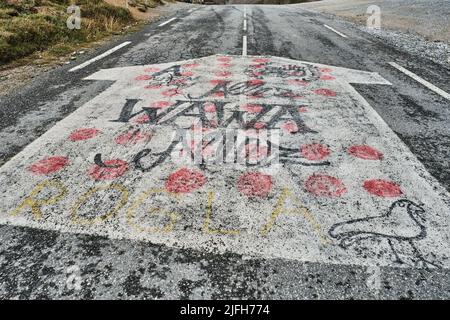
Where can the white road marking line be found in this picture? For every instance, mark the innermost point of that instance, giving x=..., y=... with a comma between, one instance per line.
x=166, y=22
x=244, y=38
x=85, y=64
x=334, y=30
x=427, y=84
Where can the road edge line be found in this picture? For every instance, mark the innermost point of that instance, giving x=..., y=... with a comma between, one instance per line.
x=335, y=31
x=422, y=81
x=101, y=56
x=166, y=22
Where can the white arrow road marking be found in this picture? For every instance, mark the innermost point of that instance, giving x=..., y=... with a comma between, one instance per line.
x=166, y=22
x=335, y=31
x=346, y=189
x=422, y=81
x=105, y=54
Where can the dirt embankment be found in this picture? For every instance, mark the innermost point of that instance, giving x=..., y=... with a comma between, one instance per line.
x=34, y=36
x=40, y=26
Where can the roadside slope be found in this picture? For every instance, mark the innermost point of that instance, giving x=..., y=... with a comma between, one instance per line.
x=430, y=19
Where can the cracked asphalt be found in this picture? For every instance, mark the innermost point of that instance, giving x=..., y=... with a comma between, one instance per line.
x=34, y=262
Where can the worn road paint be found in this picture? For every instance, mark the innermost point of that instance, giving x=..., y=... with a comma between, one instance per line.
x=335, y=31
x=105, y=54
x=346, y=190
x=244, y=46
x=427, y=84
x=166, y=22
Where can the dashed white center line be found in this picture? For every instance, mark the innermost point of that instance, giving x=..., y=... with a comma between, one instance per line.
x=85, y=64
x=427, y=84
x=244, y=37
x=335, y=31
x=166, y=22
x=244, y=46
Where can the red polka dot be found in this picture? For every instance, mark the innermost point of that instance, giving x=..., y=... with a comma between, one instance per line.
x=325, y=185
x=255, y=184
x=297, y=74
x=215, y=82
x=190, y=65
x=223, y=74
x=259, y=66
x=83, y=134
x=112, y=170
x=48, y=165
x=365, y=152
x=252, y=108
x=160, y=104
x=144, y=118
x=326, y=70
x=225, y=65
x=132, y=137
x=382, y=188
x=153, y=86
x=187, y=74
x=289, y=127
x=210, y=107
x=327, y=77
x=259, y=125
x=172, y=92
x=325, y=92
x=185, y=180
x=255, y=82
x=143, y=77
x=302, y=109
x=261, y=60
x=179, y=81
x=219, y=94
x=315, y=151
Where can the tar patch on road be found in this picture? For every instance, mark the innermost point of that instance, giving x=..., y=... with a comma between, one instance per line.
x=317, y=177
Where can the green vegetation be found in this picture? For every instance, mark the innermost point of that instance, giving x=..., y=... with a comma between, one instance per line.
x=28, y=26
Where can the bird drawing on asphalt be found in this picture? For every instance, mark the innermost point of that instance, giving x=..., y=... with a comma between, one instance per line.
x=400, y=226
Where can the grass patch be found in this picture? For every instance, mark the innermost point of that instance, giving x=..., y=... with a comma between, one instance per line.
x=29, y=26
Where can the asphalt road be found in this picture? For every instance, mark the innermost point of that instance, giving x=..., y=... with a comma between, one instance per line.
x=37, y=258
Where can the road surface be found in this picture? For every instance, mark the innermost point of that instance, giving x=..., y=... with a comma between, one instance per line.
x=101, y=198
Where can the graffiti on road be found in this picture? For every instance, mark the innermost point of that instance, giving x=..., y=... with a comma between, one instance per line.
x=261, y=156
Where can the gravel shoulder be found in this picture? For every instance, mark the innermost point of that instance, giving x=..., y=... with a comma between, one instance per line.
x=416, y=26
